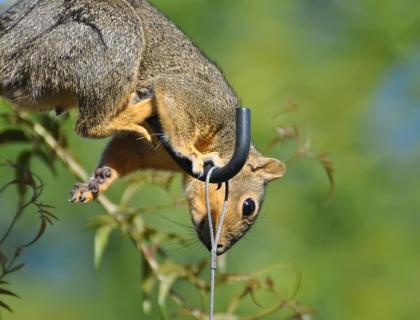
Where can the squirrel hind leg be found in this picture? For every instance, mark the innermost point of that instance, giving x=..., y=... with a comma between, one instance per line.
x=126, y=121
x=99, y=183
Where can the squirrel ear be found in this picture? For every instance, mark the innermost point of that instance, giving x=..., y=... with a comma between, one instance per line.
x=269, y=169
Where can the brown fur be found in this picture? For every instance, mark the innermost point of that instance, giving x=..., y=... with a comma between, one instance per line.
x=119, y=62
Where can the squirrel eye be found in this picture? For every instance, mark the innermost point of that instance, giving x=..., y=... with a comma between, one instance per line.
x=248, y=208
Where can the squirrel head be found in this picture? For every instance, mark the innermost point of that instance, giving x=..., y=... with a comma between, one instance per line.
x=246, y=195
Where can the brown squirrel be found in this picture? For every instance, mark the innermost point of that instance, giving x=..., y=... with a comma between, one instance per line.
x=120, y=62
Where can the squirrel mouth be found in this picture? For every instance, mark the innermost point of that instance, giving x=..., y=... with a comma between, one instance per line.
x=203, y=233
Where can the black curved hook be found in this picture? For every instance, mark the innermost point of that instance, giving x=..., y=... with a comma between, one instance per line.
x=239, y=157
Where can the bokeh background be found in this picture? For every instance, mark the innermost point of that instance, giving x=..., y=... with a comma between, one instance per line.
x=353, y=69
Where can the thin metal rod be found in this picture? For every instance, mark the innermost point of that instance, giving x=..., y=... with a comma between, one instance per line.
x=214, y=237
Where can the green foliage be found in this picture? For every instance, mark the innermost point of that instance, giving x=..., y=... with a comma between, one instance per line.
x=347, y=65
x=101, y=242
x=9, y=263
x=161, y=273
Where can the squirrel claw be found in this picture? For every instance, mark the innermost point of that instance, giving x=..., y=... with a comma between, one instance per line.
x=86, y=192
x=81, y=193
x=144, y=133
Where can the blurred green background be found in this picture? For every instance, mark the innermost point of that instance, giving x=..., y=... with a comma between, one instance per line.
x=353, y=68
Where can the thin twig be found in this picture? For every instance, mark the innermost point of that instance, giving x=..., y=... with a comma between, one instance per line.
x=70, y=162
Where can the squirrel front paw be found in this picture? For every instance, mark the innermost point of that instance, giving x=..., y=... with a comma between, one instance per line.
x=86, y=192
x=199, y=160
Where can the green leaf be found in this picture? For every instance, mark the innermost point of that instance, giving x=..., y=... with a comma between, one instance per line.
x=147, y=306
x=101, y=243
x=47, y=159
x=169, y=272
x=39, y=234
x=13, y=136
x=8, y=293
x=16, y=268
x=3, y=259
x=100, y=220
x=166, y=283
x=49, y=123
x=5, y=306
x=148, y=284
x=23, y=174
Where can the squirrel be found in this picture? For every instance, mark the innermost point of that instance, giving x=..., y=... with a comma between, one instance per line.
x=120, y=62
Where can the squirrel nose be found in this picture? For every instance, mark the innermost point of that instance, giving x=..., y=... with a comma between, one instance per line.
x=220, y=249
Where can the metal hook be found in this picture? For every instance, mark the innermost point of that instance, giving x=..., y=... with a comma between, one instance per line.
x=236, y=163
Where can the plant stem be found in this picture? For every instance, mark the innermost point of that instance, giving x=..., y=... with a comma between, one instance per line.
x=70, y=162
